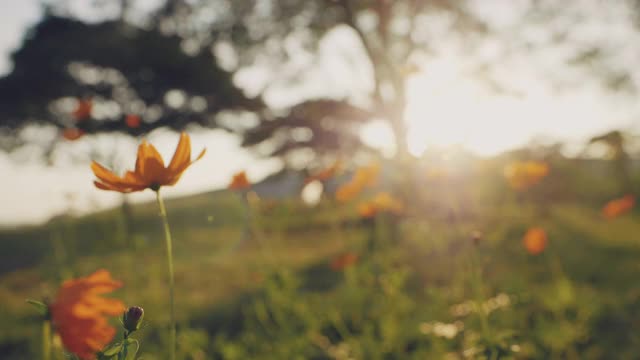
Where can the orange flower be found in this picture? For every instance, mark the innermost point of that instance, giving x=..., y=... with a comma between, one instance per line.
x=617, y=207
x=325, y=174
x=522, y=175
x=384, y=201
x=150, y=171
x=535, y=240
x=239, y=181
x=79, y=313
x=132, y=121
x=381, y=202
x=365, y=176
x=343, y=261
x=347, y=192
x=72, y=134
x=83, y=109
x=367, y=210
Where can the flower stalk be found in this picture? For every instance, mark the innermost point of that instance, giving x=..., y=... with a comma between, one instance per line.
x=46, y=340
x=167, y=235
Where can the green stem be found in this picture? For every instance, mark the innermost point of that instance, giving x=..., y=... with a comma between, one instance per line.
x=478, y=289
x=123, y=354
x=246, y=236
x=59, y=254
x=46, y=340
x=167, y=234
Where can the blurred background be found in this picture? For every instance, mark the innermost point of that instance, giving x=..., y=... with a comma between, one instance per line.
x=441, y=95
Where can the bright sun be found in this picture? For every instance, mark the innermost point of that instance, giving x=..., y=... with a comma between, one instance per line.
x=446, y=108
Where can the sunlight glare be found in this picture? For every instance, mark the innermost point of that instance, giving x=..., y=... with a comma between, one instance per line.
x=443, y=110
x=378, y=134
x=447, y=108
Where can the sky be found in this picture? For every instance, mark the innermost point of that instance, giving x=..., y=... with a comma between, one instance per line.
x=445, y=107
x=33, y=192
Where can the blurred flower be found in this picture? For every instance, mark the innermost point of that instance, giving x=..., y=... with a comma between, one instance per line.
x=79, y=313
x=132, y=121
x=132, y=318
x=347, y=192
x=441, y=329
x=150, y=171
x=381, y=202
x=500, y=301
x=239, y=181
x=384, y=201
x=325, y=174
x=522, y=175
x=83, y=109
x=535, y=240
x=365, y=176
x=617, y=207
x=72, y=134
x=343, y=261
x=367, y=210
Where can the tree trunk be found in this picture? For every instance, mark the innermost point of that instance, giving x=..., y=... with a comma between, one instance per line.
x=399, y=127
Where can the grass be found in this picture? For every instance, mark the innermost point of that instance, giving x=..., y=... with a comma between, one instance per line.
x=414, y=296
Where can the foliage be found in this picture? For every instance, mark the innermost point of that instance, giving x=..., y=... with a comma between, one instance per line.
x=432, y=292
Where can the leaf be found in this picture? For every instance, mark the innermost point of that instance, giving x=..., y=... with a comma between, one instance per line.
x=132, y=348
x=41, y=307
x=105, y=357
x=112, y=351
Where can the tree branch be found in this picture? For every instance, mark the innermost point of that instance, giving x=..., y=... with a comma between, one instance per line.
x=351, y=22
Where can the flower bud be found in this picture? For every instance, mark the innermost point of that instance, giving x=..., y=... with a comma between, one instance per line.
x=132, y=318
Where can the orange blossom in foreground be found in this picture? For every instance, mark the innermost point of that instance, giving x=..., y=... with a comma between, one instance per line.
x=150, y=171
x=79, y=313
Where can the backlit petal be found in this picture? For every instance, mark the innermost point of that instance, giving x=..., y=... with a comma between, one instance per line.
x=182, y=156
x=103, y=173
x=200, y=155
x=149, y=165
x=174, y=176
x=119, y=188
x=109, y=181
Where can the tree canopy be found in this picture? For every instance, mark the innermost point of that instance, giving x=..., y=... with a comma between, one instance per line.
x=178, y=65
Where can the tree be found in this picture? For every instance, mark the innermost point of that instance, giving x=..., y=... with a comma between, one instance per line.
x=122, y=69
x=168, y=75
x=181, y=63
x=615, y=142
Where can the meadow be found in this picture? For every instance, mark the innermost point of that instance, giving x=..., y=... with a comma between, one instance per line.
x=447, y=277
